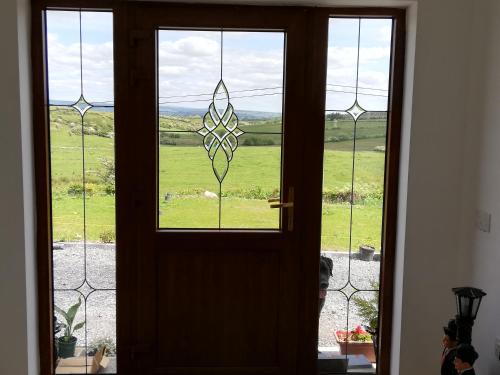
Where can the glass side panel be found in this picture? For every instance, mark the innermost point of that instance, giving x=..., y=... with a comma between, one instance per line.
x=81, y=114
x=353, y=190
x=374, y=64
x=220, y=99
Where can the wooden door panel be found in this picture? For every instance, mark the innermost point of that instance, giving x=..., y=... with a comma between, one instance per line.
x=218, y=308
x=219, y=371
x=216, y=301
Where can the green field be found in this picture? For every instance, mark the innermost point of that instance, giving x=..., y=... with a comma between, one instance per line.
x=185, y=173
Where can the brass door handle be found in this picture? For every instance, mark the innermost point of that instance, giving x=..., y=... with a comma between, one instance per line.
x=275, y=203
x=271, y=200
x=279, y=205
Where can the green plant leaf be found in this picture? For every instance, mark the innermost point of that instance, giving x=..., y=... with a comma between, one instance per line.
x=72, y=311
x=62, y=312
x=78, y=326
x=368, y=308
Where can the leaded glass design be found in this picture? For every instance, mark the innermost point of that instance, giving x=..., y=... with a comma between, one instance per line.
x=82, y=106
x=355, y=111
x=219, y=128
x=81, y=109
x=220, y=131
x=353, y=184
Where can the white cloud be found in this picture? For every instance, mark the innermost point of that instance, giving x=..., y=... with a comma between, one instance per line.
x=183, y=72
x=373, y=74
x=190, y=65
x=64, y=70
x=172, y=70
x=384, y=34
x=197, y=46
x=339, y=57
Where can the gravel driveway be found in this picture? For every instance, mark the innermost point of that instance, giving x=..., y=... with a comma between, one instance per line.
x=100, y=306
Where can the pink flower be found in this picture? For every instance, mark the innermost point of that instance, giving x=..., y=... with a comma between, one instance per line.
x=360, y=331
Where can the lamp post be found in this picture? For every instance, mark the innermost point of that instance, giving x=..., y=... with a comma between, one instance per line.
x=468, y=301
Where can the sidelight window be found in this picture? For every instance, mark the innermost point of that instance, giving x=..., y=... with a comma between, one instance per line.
x=81, y=131
x=356, y=118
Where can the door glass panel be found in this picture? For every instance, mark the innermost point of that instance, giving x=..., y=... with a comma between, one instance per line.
x=220, y=99
x=359, y=52
x=82, y=171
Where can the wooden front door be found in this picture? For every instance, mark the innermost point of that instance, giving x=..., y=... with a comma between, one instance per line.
x=208, y=270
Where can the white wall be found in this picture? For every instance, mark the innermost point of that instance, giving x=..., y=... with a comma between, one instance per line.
x=431, y=246
x=434, y=171
x=482, y=181
x=18, y=332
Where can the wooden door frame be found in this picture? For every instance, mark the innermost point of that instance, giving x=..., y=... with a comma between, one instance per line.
x=153, y=16
x=311, y=237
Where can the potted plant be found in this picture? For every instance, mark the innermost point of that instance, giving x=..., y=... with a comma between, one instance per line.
x=67, y=342
x=368, y=310
x=356, y=341
x=366, y=252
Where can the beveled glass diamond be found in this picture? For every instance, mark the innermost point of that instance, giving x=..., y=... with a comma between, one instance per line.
x=82, y=105
x=85, y=289
x=356, y=110
x=348, y=290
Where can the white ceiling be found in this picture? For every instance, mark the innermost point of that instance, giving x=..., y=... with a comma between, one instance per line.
x=393, y=3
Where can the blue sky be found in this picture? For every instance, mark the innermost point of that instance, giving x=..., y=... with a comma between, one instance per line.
x=189, y=63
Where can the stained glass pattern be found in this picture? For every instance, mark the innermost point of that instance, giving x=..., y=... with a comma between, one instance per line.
x=219, y=128
x=354, y=166
x=79, y=59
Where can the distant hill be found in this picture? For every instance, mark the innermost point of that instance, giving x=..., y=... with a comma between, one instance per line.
x=182, y=111
x=242, y=114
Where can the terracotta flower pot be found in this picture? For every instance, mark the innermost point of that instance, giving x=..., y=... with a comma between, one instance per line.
x=355, y=347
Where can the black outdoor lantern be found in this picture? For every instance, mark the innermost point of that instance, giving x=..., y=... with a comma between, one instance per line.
x=468, y=301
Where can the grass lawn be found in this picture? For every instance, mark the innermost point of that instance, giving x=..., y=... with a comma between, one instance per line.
x=255, y=213
x=67, y=217
x=185, y=172
x=236, y=213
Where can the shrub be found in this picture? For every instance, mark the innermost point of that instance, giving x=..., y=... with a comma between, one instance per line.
x=109, y=189
x=77, y=189
x=192, y=192
x=255, y=141
x=362, y=193
x=368, y=307
x=338, y=196
x=256, y=192
x=99, y=343
x=166, y=139
x=336, y=116
x=89, y=130
x=339, y=138
x=107, y=236
x=107, y=172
